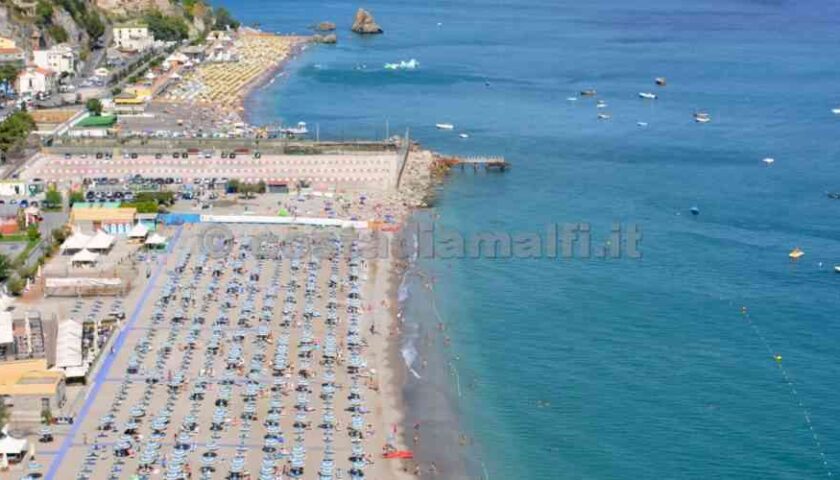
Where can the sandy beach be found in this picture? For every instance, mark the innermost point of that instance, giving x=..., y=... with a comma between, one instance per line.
x=220, y=87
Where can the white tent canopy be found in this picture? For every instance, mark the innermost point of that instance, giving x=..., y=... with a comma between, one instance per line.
x=68, y=349
x=101, y=241
x=85, y=256
x=12, y=446
x=139, y=231
x=7, y=334
x=156, y=240
x=77, y=241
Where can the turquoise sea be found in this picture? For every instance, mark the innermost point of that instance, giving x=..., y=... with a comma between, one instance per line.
x=619, y=368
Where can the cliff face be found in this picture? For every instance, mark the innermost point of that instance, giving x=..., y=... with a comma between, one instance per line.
x=128, y=7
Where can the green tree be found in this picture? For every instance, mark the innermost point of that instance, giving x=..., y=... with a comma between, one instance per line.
x=76, y=197
x=32, y=233
x=4, y=269
x=15, y=129
x=58, y=33
x=166, y=28
x=53, y=198
x=224, y=19
x=16, y=284
x=43, y=13
x=9, y=72
x=94, y=106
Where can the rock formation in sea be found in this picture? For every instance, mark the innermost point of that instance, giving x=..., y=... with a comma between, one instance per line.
x=325, y=27
x=365, y=24
x=330, y=38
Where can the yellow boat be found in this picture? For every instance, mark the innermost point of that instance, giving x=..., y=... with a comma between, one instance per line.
x=796, y=253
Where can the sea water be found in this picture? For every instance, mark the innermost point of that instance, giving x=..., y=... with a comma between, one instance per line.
x=620, y=367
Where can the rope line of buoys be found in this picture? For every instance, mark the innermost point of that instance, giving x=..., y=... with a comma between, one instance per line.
x=778, y=359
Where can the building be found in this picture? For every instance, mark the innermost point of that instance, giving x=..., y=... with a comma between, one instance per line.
x=109, y=217
x=9, y=51
x=133, y=37
x=26, y=7
x=31, y=388
x=35, y=81
x=60, y=59
x=9, y=219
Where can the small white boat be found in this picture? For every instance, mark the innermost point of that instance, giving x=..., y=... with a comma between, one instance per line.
x=601, y=104
x=603, y=116
x=571, y=99
x=769, y=161
x=300, y=129
x=464, y=135
x=835, y=111
x=647, y=95
x=642, y=124
x=444, y=126
x=702, y=117
x=837, y=268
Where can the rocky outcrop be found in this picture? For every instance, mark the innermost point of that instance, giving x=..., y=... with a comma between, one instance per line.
x=325, y=27
x=328, y=39
x=365, y=23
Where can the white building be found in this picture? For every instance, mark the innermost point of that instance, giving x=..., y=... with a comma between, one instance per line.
x=133, y=37
x=35, y=81
x=60, y=59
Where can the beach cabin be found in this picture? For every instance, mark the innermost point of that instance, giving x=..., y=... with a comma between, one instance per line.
x=109, y=217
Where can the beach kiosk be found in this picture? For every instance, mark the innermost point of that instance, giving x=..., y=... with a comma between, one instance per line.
x=156, y=242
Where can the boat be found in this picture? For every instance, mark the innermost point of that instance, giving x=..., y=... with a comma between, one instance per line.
x=833, y=195
x=769, y=161
x=444, y=126
x=837, y=269
x=702, y=117
x=835, y=111
x=642, y=124
x=603, y=116
x=591, y=92
x=661, y=81
x=647, y=95
x=796, y=254
x=695, y=211
x=601, y=104
x=464, y=135
x=299, y=129
x=571, y=99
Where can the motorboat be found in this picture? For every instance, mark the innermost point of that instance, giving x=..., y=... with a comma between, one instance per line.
x=769, y=160
x=603, y=116
x=837, y=269
x=591, y=92
x=571, y=99
x=464, y=135
x=299, y=129
x=702, y=117
x=647, y=95
x=444, y=126
x=601, y=104
x=835, y=111
x=661, y=81
x=833, y=195
x=796, y=254
x=642, y=124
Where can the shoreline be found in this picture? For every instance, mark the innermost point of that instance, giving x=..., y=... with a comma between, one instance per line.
x=297, y=48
